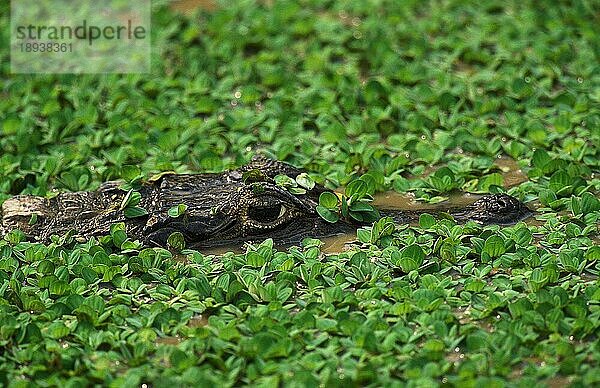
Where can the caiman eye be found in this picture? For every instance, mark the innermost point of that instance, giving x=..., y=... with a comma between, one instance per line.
x=266, y=214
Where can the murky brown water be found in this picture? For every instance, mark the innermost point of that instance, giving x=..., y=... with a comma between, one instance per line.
x=511, y=172
x=189, y=6
x=407, y=201
x=169, y=340
x=337, y=244
x=197, y=321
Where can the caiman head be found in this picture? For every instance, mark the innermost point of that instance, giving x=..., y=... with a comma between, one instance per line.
x=239, y=205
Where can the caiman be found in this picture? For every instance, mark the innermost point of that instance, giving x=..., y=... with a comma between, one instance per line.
x=222, y=209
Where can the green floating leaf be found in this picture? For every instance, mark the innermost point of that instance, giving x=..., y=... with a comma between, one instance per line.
x=177, y=211
x=364, y=235
x=11, y=126
x=357, y=188
x=305, y=181
x=254, y=259
x=410, y=258
x=537, y=279
x=361, y=207
x=135, y=211
x=426, y=221
x=130, y=173
x=59, y=288
x=487, y=181
x=540, y=158
x=284, y=181
x=176, y=240
x=345, y=210
x=384, y=227
x=593, y=253
x=57, y=330
x=297, y=190
x=560, y=182
x=522, y=237
x=33, y=220
x=589, y=203
x=327, y=214
x=363, y=212
x=15, y=236
x=46, y=267
x=132, y=198
x=576, y=207
x=494, y=246
x=328, y=200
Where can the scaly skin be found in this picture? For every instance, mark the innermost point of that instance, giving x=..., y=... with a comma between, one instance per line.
x=222, y=209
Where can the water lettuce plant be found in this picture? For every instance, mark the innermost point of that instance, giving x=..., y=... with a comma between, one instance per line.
x=423, y=98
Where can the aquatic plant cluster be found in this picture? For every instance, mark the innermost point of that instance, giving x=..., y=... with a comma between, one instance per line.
x=419, y=97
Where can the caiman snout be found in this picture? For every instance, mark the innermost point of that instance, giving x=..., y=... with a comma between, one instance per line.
x=499, y=209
